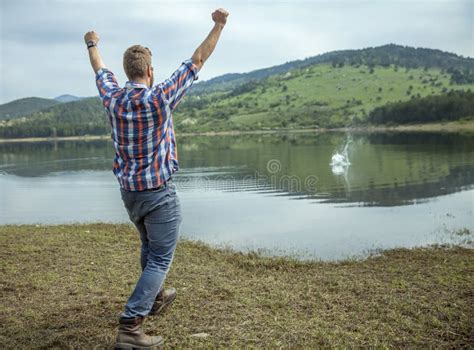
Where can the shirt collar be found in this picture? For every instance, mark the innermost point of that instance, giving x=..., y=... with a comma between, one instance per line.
x=134, y=85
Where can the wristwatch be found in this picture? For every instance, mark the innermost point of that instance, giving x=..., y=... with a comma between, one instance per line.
x=91, y=43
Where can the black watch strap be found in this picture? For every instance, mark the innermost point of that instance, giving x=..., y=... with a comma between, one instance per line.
x=91, y=43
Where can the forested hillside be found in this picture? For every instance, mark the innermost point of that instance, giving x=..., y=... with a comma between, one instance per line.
x=84, y=117
x=24, y=106
x=453, y=105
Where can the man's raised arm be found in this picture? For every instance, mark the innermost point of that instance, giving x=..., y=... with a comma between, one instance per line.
x=105, y=79
x=204, y=50
x=91, y=38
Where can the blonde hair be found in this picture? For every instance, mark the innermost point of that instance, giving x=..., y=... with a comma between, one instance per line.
x=136, y=60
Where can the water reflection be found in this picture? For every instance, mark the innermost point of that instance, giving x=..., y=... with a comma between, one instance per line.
x=386, y=169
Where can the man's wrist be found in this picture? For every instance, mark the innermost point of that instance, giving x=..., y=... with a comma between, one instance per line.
x=219, y=25
x=91, y=43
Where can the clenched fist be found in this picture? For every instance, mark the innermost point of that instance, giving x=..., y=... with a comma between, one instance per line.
x=91, y=36
x=220, y=16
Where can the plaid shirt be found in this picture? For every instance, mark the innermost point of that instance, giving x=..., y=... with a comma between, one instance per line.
x=142, y=126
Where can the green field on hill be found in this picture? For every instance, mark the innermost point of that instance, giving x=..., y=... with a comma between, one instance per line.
x=317, y=96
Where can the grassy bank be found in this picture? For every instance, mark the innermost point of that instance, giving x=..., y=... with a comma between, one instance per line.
x=64, y=286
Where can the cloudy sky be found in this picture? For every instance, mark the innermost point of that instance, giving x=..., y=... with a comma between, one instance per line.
x=43, y=54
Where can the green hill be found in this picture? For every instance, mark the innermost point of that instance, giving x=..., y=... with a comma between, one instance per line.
x=396, y=55
x=24, y=107
x=317, y=96
x=332, y=90
x=84, y=117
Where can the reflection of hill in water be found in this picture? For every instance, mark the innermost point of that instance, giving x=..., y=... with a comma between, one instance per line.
x=460, y=178
x=30, y=159
x=422, y=138
x=386, y=169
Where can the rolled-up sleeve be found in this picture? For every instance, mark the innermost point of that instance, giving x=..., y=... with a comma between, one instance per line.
x=106, y=83
x=175, y=87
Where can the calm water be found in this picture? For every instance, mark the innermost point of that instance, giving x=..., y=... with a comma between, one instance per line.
x=275, y=193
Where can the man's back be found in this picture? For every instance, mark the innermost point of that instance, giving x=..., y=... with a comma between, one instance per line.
x=142, y=126
x=146, y=157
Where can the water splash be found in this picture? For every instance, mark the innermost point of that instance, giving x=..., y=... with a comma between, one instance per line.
x=340, y=160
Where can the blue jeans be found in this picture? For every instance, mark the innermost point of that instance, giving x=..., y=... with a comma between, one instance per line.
x=157, y=216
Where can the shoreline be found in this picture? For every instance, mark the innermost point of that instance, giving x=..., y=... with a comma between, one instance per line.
x=418, y=297
x=450, y=127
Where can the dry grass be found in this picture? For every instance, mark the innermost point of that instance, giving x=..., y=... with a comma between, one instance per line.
x=64, y=286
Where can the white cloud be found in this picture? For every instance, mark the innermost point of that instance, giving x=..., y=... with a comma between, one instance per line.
x=42, y=53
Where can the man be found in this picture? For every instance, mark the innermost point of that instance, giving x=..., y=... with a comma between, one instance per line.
x=145, y=159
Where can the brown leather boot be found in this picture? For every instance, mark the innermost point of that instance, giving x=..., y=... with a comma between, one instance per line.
x=130, y=335
x=163, y=300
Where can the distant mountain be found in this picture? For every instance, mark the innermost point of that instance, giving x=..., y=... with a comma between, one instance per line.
x=67, y=98
x=25, y=106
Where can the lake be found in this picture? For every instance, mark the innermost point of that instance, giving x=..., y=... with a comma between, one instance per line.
x=275, y=193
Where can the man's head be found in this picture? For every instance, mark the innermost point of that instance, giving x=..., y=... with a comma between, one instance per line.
x=137, y=64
